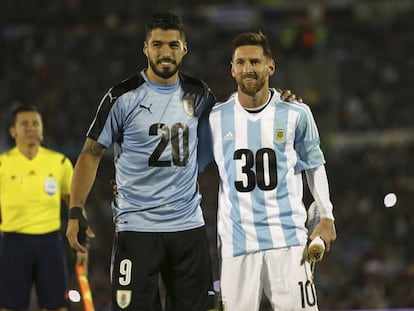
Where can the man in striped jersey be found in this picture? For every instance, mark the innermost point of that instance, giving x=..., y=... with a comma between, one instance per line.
x=262, y=145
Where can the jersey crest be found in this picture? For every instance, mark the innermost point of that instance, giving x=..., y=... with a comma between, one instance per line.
x=280, y=135
x=188, y=105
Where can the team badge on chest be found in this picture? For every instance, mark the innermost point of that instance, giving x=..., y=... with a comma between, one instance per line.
x=188, y=105
x=280, y=135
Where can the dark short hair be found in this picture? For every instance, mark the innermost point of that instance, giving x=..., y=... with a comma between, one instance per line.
x=21, y=108
x=165, y=21
x=253, y=38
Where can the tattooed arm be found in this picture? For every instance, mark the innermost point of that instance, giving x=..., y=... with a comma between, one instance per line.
x=83, y=179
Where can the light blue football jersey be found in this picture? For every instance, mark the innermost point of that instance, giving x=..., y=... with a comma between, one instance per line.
x=154, y=131
x=260, y=157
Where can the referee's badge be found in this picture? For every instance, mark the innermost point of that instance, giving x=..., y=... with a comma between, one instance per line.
x=50, y=185
x=280, y=135
x=123, y=298
x=188, y=105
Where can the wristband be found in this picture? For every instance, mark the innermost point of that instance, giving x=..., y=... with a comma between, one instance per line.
x=76, y=213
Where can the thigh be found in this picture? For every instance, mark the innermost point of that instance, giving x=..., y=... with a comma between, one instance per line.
x=16, y=272
x=241, y=289
x=187, y=271
x=287, y=281
x=51, y=272
x=136, y=264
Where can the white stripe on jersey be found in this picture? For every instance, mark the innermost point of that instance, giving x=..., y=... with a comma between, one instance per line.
x=245, y=203
x=311, y=121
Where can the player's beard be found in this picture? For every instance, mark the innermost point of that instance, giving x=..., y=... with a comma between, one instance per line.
x=165, y=73
x=250, y=88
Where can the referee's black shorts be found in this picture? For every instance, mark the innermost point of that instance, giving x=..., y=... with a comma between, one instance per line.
x=181, y=258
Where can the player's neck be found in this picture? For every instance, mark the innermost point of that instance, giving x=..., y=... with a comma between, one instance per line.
x=255, y=101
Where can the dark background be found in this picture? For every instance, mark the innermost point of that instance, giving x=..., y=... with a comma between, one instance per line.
x=351, y=61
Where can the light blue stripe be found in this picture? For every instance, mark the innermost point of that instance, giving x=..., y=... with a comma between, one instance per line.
x=228, y=126
x=260, y=217
x=285, y=208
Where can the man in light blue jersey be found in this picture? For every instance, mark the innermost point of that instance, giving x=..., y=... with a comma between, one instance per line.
x=152, y=120
x=261, y=145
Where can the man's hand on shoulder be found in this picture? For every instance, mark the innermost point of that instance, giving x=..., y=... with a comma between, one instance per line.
x=288, y=96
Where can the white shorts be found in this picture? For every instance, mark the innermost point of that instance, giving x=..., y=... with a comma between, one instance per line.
x=281, y=274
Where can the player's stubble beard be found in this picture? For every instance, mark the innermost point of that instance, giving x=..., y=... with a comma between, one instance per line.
x=251, y=89
x=165, y=73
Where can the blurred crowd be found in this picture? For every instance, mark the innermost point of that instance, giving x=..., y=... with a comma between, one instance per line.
x=351, y=61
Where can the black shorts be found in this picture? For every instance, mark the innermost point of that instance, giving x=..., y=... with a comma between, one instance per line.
x=181, y=258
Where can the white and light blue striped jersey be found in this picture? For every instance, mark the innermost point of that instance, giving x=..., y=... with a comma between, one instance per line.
x=260, y=157
x=154, y=131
